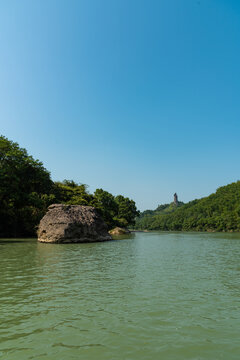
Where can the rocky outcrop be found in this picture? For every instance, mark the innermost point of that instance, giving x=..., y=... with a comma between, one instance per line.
x=119, y=231
x=72, y=224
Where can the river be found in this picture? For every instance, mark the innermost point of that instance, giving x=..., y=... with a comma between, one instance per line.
x=147, y=297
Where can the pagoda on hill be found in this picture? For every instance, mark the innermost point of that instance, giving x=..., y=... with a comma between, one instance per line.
x=175, y=199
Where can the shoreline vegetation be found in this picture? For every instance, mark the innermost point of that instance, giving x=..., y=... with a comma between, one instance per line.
x=27, y=190
x=218, y=212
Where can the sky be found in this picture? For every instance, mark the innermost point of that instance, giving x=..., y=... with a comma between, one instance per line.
x=138, y=97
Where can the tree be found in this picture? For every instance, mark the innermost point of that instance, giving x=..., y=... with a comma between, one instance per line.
x=127, y=211
x=217, y=212
x=70, y=192
x=25, y=190
x=107, y=206
x=116, y=211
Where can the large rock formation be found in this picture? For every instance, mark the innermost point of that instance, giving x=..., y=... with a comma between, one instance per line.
x=119, y=231
x=72, y=224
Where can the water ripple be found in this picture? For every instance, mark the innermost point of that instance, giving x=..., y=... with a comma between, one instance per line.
x=157, y=295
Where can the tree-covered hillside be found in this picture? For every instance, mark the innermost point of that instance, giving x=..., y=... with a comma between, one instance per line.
x=162, y=209
x=26, y=191
x=218, y=212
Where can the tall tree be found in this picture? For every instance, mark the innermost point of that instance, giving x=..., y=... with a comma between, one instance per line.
x=107, y=206
x=127, y=211
x=69, y=192
x=25, y=188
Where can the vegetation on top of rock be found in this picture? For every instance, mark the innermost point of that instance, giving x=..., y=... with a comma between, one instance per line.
x=26, y=191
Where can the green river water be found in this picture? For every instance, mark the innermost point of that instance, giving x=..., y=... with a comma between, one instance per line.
x=151, y=296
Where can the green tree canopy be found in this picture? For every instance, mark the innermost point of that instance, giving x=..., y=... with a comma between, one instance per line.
x=107, y=206
x=69, y=192
x=127, y=211
x=218, y=212
x=25, y=189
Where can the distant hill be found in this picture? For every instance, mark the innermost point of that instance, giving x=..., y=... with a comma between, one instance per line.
x=162, y=209
x=146, y=217
x=218, y=212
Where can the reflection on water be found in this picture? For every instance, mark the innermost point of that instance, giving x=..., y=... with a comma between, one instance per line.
x=148, y=296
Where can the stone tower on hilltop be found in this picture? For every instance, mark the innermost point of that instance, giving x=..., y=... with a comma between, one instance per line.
x=175, y=199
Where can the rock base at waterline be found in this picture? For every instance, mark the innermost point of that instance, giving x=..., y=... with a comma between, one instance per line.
x=119, y=231
x=72, y=224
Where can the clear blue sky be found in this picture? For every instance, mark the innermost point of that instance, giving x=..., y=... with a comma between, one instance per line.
x=139, y=97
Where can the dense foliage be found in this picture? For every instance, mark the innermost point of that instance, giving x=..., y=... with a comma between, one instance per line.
x=26, y=190
x=217, y=212
x=161, y=209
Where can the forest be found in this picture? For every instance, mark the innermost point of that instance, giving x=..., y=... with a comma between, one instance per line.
x=26, y=191
x=218, y=212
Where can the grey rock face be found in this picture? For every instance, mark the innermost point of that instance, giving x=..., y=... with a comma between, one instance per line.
x=72, y=224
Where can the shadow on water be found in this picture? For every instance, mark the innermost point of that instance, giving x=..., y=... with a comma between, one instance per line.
x=16, y=241
x=123, y=237
x=161, y=295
